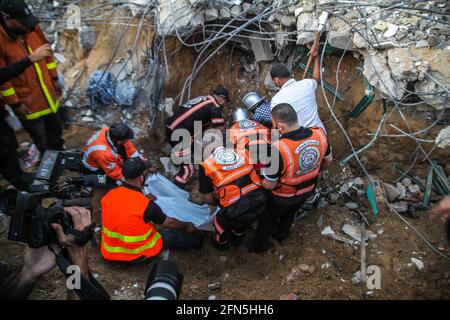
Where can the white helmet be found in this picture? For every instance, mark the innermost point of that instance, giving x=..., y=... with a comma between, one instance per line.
x=251, y=100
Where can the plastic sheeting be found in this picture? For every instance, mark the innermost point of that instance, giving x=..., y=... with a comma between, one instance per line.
x=125, y=91
x=176, y=203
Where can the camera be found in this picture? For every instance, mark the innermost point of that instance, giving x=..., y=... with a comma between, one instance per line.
x=164, y=282
x=30, y=221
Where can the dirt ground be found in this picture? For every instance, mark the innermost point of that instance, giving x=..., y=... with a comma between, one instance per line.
x=245, y=275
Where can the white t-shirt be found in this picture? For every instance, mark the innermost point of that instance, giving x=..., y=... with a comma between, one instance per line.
x=301, y=95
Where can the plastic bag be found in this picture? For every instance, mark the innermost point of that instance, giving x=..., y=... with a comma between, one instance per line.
x=125, y=92
x=100, y=89
x=175, y=202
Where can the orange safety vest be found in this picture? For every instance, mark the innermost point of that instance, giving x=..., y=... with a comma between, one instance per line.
x=301, y=163
x=246, y=133
x=100, y=153
x=34, y=87
x=125, y=235
x=224, y=167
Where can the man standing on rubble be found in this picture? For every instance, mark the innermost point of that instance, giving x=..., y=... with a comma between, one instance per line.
x=204, y=109
x=301, y=95
x=34, y=94
x=302, y=154
x=129, y=218
x=9, y=157
x=106, y=151
x=227, y=180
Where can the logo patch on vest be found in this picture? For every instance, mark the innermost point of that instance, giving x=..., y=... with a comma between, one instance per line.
x=194, y=102
x=228, y=159
x=308, y=156
x=246, y=124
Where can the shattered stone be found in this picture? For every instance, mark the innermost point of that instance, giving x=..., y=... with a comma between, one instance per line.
x=422, y=44
x=214, y=286
x=352, y=205
x=225, y=12
x=178, y=14
x=406, y=182
x=307, y=23
x=358, y=182
x=339, y=35
x=401, y=206
x=236, y=11
x=430, y=86
x=268, y=82
x=401, y=64
x=86, y=37
x=443, y=139
x=322, y=203
x=392, y=192
x=293, y=275
x=261, y=50
x=414, y=189
x=211, y=14
x=168, y=166
x=334, y=196
x=377, y=71
x=401, y=189
x=213, y=297
x=87, y=119
x=288, y=21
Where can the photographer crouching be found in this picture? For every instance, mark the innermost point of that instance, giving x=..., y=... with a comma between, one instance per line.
x=69, y=251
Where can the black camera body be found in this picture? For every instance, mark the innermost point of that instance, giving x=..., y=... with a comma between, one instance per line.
x=164, y=281
x=30, y=222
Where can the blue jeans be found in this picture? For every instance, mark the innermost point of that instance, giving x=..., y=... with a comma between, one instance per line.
x=173, y=239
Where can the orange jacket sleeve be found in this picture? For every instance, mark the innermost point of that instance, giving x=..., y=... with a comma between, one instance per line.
x=110, y=166
x=51, y=61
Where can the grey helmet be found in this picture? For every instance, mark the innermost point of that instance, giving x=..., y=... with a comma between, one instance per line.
x=251, y=100
x=240, y=114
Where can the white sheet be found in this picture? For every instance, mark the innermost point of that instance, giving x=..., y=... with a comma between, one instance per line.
x=176, y=203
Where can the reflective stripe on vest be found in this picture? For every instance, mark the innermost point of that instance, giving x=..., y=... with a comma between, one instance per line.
x=86, y=154
x=51, y=65
x=53, y=105
x=8, y=92
x=190, y=111
x=294, y=182
x=141, y=249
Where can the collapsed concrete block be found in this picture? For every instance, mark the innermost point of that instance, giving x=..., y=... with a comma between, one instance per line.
x=86, y=37
x=443, y=139
x=236, y=11
x=177, y=14
x=211, y=14
x=427, y=85
x=288, y=20
x=225, y=12
x=402, y=65
x=377, y=71
x=339, y=35
x=261, y=50
x=307, y=23
x=268, y=82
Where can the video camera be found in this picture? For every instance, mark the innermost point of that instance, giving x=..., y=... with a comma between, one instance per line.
x=30, y=221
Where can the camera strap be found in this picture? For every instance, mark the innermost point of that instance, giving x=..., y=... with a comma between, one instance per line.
x=90, y=288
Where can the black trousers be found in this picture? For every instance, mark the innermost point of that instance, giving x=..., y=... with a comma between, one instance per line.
x=46, y=132
x=186, y=169
x=231, y=222
x=9, y=157
x=276, y=221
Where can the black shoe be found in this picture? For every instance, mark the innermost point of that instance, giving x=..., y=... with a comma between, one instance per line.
x=220, y=247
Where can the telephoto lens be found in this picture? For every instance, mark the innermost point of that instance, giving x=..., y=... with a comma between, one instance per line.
x=164, y=282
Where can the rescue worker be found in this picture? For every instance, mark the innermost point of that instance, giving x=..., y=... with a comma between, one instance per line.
x=33, y=95
x=225, y=179
x=9, y=157
x=260, y=108
x=302, y=154
x=129, y=218
x=204, y=109
x=106, y=151
x=249, y=138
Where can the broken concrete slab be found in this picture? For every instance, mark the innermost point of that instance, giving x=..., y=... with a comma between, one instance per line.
x=443, y=139
x=307, y=23
x=402, y=65
x=177, y=14
x=339, y=35
x=86, y=37
x=392, y=192
x=261, y=50
x=377, y=71
x=211, y=14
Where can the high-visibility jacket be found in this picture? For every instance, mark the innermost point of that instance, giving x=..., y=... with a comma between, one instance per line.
x=34, y=87
x=231, y=176
x=100, y=153
x=125, y=235
x=301, y=160
x=247, y=133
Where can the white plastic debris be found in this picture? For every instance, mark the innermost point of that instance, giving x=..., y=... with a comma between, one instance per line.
x=176, y=203
x=355, y=232
x=327, y=231
x=418, y=263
